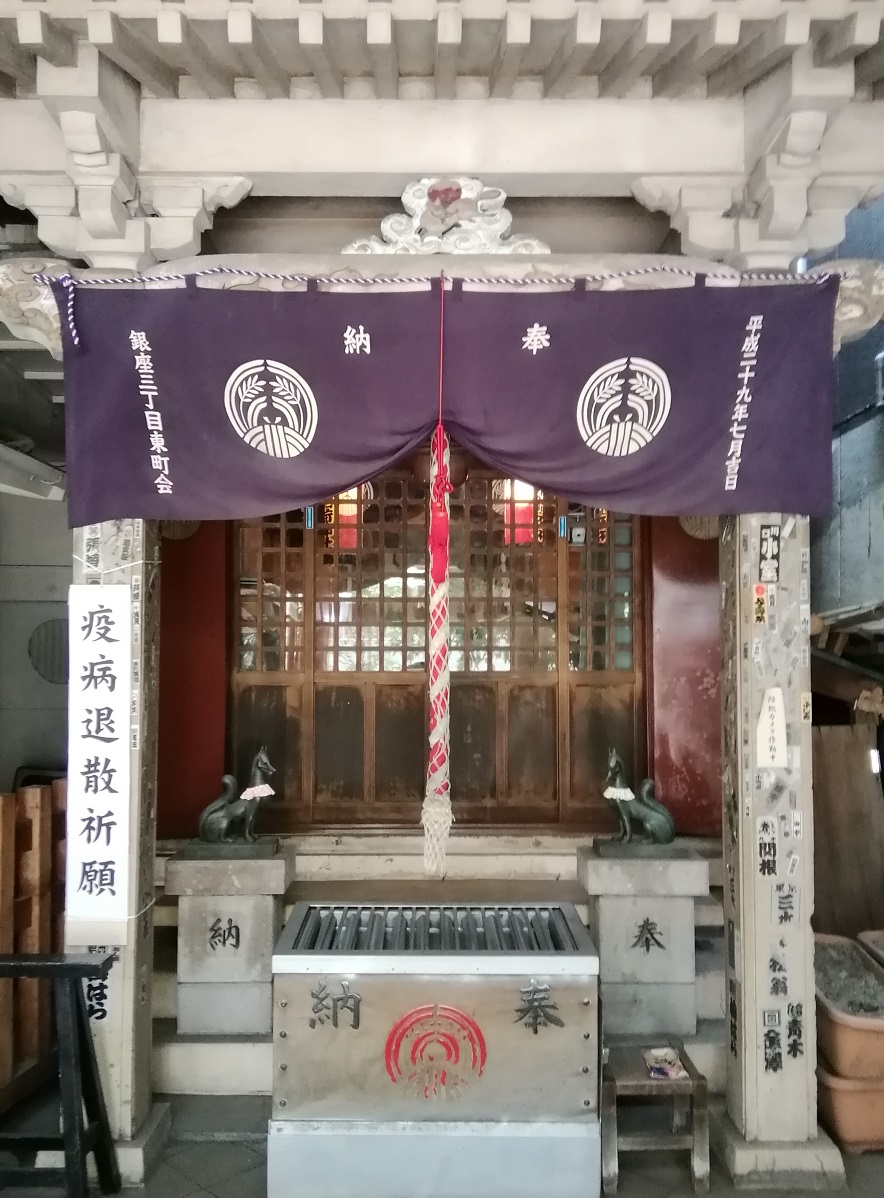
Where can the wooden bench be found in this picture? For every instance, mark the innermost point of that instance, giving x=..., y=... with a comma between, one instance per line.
x=625, y=1075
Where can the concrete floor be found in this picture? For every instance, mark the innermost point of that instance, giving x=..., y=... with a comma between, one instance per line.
x=218, y=1150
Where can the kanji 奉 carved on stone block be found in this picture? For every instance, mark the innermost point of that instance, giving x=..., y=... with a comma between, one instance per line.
x=642, y=809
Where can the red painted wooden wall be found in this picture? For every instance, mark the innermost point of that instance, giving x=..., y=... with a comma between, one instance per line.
x=684, y=716
x=193, y=677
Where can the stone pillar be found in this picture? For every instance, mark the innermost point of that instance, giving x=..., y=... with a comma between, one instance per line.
x=769, y=1133
x=126, y=553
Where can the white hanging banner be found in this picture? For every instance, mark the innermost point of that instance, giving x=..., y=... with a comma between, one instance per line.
x=772, y=744
x=98, y=795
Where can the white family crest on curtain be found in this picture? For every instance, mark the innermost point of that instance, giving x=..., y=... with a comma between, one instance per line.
x=455, y=215
x=100, y=689
x=615, y=421
x=271, y=408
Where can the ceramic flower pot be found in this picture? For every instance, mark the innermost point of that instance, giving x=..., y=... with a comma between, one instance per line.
x=853, y=1045
x=853, y=1111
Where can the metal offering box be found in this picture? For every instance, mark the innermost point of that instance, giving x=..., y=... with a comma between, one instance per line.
x=446, y=1050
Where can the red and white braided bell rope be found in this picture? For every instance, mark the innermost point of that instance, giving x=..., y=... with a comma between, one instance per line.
x=436, y=816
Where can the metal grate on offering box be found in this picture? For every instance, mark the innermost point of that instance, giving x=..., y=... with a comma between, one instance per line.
x=450, y=938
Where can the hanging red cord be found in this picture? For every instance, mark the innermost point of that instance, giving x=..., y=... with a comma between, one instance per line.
x=441, y=483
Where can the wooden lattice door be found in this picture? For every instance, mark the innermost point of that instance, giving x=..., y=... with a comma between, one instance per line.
x=546, y=646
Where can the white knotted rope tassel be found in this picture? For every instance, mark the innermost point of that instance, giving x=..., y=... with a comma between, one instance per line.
x=436, y=816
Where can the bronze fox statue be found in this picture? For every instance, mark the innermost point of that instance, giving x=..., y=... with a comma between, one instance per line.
x=641, y=809
x=219, y=821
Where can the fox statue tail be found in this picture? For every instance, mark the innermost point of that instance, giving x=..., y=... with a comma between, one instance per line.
x=228, y=794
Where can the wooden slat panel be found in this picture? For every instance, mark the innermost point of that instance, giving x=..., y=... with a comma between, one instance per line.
x=34, y=838
x=7, y=943
x=400, y=735
x=339, y=732
x=601, y=717
x=261, y=719
x=59, y=849
x=473, y=741
x=849, y=823
x=531, y=747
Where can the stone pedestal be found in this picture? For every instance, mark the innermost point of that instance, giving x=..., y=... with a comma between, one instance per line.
x=642, y=917
x=229, y=915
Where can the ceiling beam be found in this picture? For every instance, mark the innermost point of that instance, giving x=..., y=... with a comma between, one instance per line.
x=178, y=39
x=649, y=44
x=45, y=38
x=869, y=67
x=449, y=32
x=576, y=49
x=515, y=38
x=849, y=38
x=19, y=66
x=381, y=40
x=779, y=41
x=716, y=40
x=249, y=42
x=473, y=137
x=106, y=32
x=311, y=34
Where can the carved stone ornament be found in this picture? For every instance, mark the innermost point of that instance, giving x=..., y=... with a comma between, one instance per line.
x=860, y=304
x=701, y=528
x=448, y=216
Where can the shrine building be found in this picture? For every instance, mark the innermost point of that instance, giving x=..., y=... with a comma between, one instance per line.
x=230, y=153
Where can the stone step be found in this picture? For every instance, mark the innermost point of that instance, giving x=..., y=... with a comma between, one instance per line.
x=708, y=1050
x=710, y=979
x=709, y=911
x=332, y=858
x=210, y=1065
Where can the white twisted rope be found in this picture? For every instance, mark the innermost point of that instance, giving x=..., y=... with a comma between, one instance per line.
x=70, y=283
x=436, y=815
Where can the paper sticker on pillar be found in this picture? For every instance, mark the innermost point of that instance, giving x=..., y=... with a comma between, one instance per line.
x=92, y=550
x=771, y=748
x=96, y=991
x=778, y=976
x=806, y=707
x=804, y=619
x=773, y=1050
x=775, y=793
x=769, y=554
x=795, y=1030
x=767, y=847
x=435, y=1052
x=759, y=605
x=771, y=1018
x=733, y=1017
x=785, y=903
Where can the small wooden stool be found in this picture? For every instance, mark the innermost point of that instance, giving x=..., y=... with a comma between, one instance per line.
x=626, y=1076
x=79, y=1083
